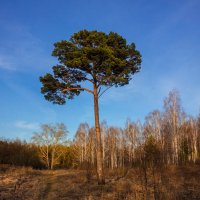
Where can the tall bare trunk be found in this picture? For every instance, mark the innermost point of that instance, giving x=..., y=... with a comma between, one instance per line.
x=52, y=159
x=100, y=173
x=47, y=157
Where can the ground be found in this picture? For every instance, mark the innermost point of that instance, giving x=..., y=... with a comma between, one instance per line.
x=169, y=183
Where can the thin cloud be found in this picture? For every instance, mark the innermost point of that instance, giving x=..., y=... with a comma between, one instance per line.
x=20, y=50
x=26, y=125
x=5, y=63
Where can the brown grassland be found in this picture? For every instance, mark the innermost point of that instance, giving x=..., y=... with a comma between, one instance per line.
x=17, y=183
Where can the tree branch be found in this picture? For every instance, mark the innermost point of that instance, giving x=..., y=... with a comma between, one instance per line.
x=100, y=82
x=99, y=90
x=90, y=80
x=105, y=90
x=67, y=89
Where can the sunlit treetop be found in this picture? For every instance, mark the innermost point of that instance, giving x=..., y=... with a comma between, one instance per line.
x=105, y=60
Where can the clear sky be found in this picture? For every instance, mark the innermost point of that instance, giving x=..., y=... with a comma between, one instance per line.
x=166, y=32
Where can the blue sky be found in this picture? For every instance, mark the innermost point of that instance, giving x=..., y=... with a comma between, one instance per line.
x=166, y=32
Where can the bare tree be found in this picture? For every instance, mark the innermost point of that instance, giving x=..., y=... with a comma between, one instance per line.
x=49, y=141
x=81, y=139
x=131, y=134
x=173, y=113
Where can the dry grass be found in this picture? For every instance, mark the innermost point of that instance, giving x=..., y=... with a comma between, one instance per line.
x=20, y=183
x=169, y=183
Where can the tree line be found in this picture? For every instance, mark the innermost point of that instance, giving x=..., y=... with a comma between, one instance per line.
x=166, y=137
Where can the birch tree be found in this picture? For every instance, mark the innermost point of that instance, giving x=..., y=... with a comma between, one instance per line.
x=49, y=141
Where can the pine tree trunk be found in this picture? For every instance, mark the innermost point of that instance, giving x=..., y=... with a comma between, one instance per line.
x=99, y=153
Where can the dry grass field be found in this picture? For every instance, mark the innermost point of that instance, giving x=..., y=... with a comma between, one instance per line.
x=169, y=183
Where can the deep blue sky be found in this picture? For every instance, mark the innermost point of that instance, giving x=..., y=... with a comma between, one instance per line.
x=166, y=32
